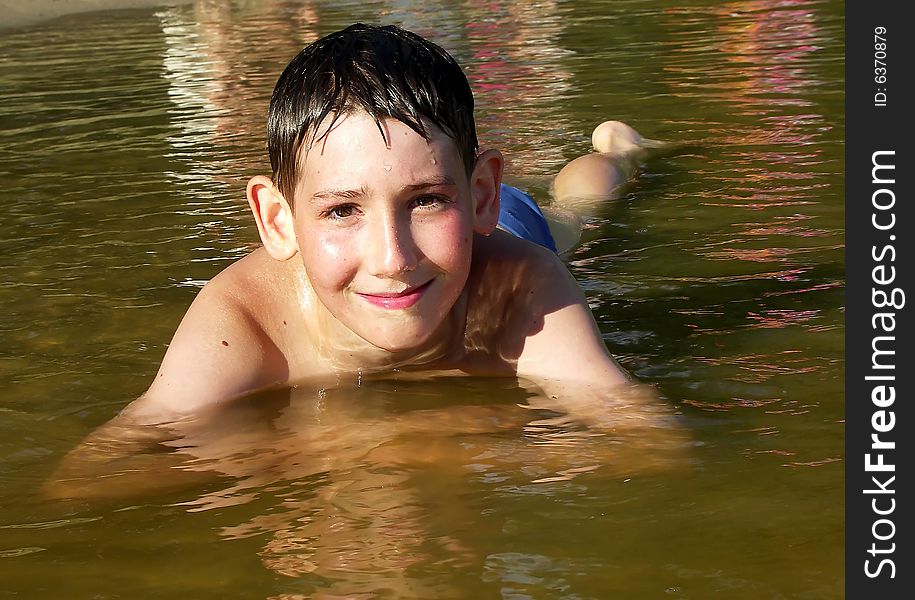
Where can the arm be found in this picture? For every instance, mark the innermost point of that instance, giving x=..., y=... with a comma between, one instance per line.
x=217, y=354
x=563, y=342
x=565, y=356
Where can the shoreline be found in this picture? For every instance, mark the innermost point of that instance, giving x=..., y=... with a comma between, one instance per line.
x=22, y=13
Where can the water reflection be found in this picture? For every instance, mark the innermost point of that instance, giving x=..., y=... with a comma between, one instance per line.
x=759, y=53
x=761, y=273
x=219, y=86
x=518, y=70
x=353, y=483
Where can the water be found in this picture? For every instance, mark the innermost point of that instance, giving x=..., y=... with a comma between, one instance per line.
x=126, y=138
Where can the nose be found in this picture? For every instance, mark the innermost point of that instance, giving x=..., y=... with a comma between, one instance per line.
x=391, y=249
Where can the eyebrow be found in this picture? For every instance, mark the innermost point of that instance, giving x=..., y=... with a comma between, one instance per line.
x=342, y=194
x=442, y=181
x=338, y=194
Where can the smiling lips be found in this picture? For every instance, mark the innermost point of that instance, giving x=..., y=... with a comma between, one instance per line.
x=397, y=301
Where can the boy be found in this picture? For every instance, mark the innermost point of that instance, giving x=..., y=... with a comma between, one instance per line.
x=381, y=251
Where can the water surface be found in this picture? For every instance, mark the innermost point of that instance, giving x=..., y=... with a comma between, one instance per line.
x=126, y=138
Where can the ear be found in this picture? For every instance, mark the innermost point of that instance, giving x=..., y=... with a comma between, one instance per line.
x=484, y=189
x=273, y=216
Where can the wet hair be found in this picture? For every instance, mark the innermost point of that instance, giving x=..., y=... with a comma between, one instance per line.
x=387, y=72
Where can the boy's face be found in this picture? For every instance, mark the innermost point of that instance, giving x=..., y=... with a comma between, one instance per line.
x=384, y=232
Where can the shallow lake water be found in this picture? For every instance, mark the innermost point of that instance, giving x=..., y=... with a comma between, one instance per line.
x=126, y=139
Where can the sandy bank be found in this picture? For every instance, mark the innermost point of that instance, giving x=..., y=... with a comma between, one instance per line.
x=17, y=13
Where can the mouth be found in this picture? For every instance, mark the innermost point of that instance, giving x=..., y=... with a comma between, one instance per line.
x=397, y=300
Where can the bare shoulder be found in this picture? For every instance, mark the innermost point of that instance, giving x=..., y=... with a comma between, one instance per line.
x=224, y=346
x=529, y=278
x=546, y=325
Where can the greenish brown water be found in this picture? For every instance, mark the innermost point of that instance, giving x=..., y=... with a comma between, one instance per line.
x=126, y=139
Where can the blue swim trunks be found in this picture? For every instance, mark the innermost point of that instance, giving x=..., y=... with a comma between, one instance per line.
x=520, y=216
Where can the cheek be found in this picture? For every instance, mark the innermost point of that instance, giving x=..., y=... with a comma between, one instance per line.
x=327, y=258
x=447, y=244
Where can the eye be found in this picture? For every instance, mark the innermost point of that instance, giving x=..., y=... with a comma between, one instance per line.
x=430, y=201
x=340, y=212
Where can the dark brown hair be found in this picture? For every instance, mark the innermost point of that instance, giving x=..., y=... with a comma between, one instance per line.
x=387, y=72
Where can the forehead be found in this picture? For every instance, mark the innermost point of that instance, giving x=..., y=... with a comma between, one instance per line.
x=355, y=149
